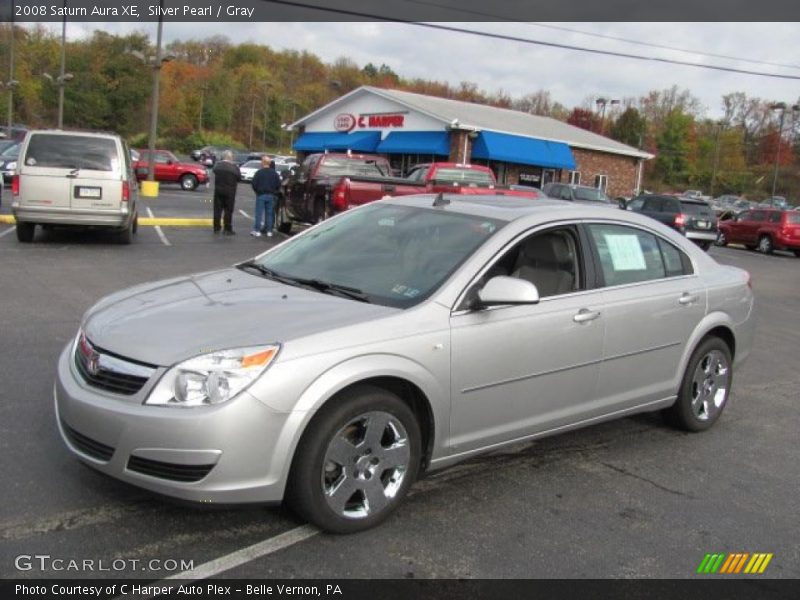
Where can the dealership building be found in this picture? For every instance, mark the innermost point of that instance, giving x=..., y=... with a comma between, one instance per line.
x=519, y=147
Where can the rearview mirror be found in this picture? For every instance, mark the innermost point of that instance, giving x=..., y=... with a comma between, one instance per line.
x=508, y=290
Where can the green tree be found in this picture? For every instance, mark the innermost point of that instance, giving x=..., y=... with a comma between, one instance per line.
x=673, y=144
x=629, y=128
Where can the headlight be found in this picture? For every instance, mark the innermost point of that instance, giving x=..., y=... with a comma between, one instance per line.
x=11, y=166
x=212, y=378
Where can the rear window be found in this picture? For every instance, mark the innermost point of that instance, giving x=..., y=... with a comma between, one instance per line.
x=696, y=208
x=793, y=218
x=365, y=167
x=72, y=152
x=464, y=176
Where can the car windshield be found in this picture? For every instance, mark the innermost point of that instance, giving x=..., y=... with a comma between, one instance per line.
x=366, y=167
x=252, y=164
x=11, y=151
x=72, y=152
x=591, y=194
x=464, y=176
x=389, y=254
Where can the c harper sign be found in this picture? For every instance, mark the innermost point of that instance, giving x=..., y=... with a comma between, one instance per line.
x=346, y=122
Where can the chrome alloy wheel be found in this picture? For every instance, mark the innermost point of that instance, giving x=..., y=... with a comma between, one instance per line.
x=365, y=464
x=710, y=385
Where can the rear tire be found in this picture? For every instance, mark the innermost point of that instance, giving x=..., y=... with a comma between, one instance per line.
x=356, y=461
x=765, y=245
x=25, y=232
x=797, y=253
x=282, y=222
x=704, y=245
x=126, y=235
x=188, y=182
x=705, y=387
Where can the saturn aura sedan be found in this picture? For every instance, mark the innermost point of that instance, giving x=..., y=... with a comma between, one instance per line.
x=400, y=337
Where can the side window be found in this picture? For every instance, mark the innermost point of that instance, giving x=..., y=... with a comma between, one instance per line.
x=627, y=255
x=652, y=204
x=758, y=215
x=745, y=216
x=775, y=217
x=671, y=205
x=566, y=192
x=550, y=260
x=676, y=263
x=635, y=204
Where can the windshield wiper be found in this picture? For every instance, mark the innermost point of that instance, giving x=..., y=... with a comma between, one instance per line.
x=316, y=284
x=269, y=273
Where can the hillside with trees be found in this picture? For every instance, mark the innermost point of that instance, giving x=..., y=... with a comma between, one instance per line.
x=215, y=91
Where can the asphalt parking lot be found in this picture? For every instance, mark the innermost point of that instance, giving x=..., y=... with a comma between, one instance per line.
x=631, y=498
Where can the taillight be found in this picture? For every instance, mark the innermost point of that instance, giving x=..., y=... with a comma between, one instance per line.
x=680, y=219
x=15, y=185
x=126, y=191
x=339, y=196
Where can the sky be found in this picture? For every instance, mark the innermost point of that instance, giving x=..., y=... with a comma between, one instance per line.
x=571, y=77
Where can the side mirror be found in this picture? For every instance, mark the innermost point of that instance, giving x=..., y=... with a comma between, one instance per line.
x=508, y=290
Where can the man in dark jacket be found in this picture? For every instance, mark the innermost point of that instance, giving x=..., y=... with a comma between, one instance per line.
x=266, y=185
x=226, y=178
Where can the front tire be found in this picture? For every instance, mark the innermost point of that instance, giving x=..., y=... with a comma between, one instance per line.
x=722, y=239
x=765, y=245
x=705, y=387
x=704, y=245
x=188, y=182
x=25, y=232
x=356, y=461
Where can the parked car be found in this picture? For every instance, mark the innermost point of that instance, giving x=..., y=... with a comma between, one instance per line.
x=577, y=193
x=8, y=161
x=764, y=229
x=169, y=169
x=400, y=337
x=778, y=202
x=16, y=133
x=249, y=169
x=692, y=218
x=326, y=184
x=67, y=178
x=534, y=191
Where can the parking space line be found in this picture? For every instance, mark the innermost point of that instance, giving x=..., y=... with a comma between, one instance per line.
x=7, y=231
x=248, y=554
x=158, y=229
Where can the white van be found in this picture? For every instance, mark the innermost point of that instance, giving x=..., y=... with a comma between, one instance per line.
x=74, y=178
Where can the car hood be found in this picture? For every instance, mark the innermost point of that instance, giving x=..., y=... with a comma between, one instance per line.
x=170, y=321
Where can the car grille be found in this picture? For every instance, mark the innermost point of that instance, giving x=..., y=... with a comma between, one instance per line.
x=106, y=371
x=165, y=470
x=87, y=445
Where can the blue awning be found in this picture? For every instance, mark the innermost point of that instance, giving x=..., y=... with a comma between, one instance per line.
x=524, y=150
x=416, y=142
x=360, y=141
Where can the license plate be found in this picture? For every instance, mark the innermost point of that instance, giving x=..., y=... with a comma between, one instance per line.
x=702, y=224
x=88, y=192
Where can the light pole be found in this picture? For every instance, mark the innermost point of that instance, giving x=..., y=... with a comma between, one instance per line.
x=60, y=81
x=155, y=63
x=11, y=83
x=781, y=106
x=716, y=158
x=601, y=105
x=267, y=85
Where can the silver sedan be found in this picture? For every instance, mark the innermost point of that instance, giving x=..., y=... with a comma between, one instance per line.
x=402, y=336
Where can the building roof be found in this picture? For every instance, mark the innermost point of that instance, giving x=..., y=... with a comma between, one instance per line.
x=482, y=117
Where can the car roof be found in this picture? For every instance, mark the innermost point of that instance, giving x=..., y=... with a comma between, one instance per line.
x=511, y=208
x=65, y=132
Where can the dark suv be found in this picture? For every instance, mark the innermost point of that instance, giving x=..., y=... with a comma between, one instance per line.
x=577, y=193
x=693, y=218
x=765, y=229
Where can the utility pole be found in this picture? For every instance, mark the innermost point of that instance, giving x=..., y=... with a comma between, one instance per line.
x=716, y=160
x=10, y=84
x=151, y=146
x=61, y=73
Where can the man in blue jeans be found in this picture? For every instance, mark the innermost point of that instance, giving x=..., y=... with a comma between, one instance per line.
x=266, y=184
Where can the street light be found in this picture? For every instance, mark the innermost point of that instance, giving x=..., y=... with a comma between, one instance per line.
x=781, y=106
x=601, y=105
x=11, y=83
x=60, y=81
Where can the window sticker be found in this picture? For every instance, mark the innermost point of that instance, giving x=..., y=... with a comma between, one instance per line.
x=406, y=291
x=626, y=252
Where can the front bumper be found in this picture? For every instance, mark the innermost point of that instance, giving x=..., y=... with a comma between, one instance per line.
x=242, y=444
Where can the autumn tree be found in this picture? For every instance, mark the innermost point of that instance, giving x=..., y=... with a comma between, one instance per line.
x=585, y=119
x=629, y=128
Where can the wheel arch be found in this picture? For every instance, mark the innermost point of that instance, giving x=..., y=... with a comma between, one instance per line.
x=715, y=324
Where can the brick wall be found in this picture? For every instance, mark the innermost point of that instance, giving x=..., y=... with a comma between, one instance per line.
x=620, y=170
x=457, y=154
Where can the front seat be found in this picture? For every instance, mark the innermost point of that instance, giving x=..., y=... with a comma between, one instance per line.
x=546, y=261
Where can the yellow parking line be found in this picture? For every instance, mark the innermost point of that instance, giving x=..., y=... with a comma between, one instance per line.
x=7, y=219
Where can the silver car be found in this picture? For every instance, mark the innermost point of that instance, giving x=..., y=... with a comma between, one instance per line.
x=399, y=337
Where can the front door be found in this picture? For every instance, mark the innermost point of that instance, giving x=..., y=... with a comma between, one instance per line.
x=518, y=370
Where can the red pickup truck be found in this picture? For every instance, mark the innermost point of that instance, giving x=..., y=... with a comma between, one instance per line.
x=170, y=170
x=326, y=184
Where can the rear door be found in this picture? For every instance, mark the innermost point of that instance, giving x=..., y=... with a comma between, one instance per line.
x=96, y=184
x=737, y=227
x=44, y=168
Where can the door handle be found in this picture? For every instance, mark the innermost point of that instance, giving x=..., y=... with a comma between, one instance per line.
x=585, y=315
x=686, y=298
